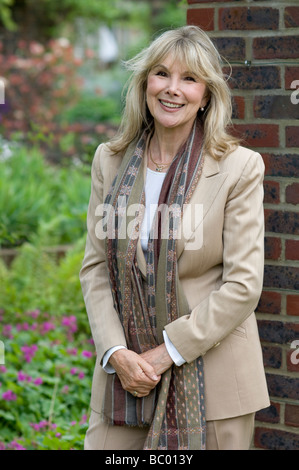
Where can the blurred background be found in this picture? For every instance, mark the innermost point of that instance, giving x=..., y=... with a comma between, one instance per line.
x=61, y=79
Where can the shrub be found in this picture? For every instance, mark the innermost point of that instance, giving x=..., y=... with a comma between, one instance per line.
x=40, y=202
x=46, y=376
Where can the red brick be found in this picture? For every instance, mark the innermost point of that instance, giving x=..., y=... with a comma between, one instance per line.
x=291, y=17
x=291, y=74
x=272, y=248
x=292, y=304
x=291, y=415
x=254, y=78
x=202, y=17
x=270, y=414
x=292, y=193
x=270, y=302
x=281, y=277
x=281, y=386
x=292, y=136
x=281, y=165
x=258, y=135
x=281, y=47
x=238, y=107
x=272, y=356
x=282, y=221
x=271, y=192
x=292, y=249
x=275, y=439
x=275, y=107
x=248, y=18
x=231, y=48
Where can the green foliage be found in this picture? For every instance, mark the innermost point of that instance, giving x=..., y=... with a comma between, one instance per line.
x=41, y=203
x=96, y=109
x=5, y=14
x=49, y=356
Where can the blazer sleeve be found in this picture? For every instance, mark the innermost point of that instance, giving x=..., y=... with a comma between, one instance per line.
x=106, y=328
x=243, y=266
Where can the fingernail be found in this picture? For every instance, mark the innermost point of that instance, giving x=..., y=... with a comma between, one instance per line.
x=155, y=377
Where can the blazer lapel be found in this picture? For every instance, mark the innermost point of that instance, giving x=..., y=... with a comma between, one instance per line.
x=194, y=212
x=201, y=201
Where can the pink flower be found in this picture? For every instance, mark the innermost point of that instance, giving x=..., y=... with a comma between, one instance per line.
x=86, y=353
x=34, y=313
x=16, y=446
x=7, y=331
x=22, y=377
x=9, y=396
x=47, y=326
x=81, y=375
x=3, y=369
x=38, y=381
x=70, y=322
x=29, y=352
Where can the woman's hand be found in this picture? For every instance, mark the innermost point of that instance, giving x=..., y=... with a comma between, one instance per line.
x=158, y=358
x=134, y=372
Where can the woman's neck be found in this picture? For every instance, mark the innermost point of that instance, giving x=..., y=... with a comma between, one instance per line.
x=165, y=143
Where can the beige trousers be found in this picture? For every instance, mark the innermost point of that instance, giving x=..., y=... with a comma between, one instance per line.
x=225, y=434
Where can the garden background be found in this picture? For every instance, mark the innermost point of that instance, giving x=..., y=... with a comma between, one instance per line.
x=60, y=92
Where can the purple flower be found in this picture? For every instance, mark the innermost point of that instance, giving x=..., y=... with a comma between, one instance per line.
x=9, y=396
x=38, y=381
x=29, y=352
x=70, y=322
x=16, y=446
x=7, y=331
x=22, y=377
x=86, y=353
x=47, y=326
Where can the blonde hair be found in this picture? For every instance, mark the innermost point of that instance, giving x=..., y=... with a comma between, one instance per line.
x=191, y=46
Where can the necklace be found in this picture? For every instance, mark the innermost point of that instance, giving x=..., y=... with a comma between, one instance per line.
x=159, y=166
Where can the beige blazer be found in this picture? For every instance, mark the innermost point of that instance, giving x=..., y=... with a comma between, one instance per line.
x=220, y=263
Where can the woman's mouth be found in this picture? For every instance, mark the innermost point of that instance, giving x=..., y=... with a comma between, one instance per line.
x=170, y=105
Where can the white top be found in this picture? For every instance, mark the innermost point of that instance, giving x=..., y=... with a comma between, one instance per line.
x=153, y=185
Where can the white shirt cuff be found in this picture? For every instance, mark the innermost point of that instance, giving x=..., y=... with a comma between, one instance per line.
x=107, y=367
x=172, y=351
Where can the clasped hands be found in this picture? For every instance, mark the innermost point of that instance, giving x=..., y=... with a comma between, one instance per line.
x=140, y=372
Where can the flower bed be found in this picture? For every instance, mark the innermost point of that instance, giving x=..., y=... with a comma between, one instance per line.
x=48, y=354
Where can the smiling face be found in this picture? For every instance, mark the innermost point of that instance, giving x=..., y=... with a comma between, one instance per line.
x=174, y=95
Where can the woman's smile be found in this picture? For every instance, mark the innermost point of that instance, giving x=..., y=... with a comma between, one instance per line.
x=170, y=106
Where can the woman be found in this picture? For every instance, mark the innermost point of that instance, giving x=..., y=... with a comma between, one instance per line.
x=173, y=269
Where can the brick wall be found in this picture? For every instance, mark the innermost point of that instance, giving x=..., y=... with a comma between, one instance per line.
x=260, y=39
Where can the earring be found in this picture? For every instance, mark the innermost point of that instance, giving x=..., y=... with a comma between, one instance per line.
x=202, y=109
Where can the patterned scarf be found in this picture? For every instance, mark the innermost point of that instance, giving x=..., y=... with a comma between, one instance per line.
x=174, y=410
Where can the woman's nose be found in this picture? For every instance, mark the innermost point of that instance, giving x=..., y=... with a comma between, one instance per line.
x=173, y=86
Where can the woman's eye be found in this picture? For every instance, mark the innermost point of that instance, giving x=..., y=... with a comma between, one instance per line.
x=191, y=79
x=161, y=73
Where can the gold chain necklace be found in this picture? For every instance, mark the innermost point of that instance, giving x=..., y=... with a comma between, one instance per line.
x=159, y=166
